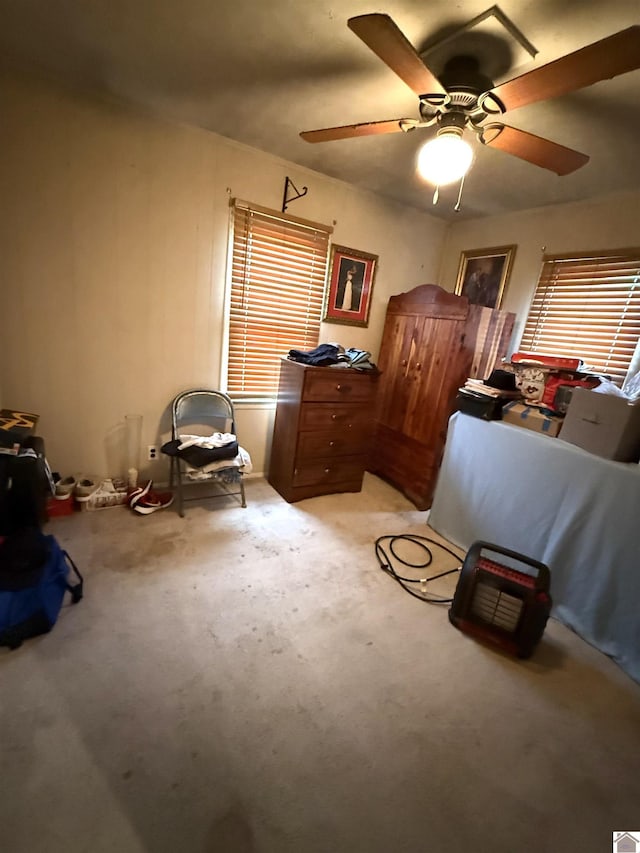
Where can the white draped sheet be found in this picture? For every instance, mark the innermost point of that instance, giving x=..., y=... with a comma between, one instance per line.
x=545, y=498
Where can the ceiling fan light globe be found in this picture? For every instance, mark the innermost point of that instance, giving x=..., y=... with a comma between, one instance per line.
x=444, y=160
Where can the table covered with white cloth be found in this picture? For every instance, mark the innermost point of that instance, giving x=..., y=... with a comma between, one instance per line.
x=543, y=497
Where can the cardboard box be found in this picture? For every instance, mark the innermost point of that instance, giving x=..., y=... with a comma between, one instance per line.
x=530, y=417
x=603, y=424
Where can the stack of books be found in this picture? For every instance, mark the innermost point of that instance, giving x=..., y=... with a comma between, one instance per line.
x=480, y=388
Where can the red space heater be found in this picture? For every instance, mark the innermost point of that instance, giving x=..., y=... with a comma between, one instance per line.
x=499, y=604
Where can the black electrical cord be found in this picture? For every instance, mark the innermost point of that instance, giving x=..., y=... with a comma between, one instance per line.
x=386, y=563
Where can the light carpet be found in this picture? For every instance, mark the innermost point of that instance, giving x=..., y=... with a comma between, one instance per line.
x=249, y=681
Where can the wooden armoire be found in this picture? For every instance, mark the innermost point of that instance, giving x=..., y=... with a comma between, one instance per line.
x=432, y=342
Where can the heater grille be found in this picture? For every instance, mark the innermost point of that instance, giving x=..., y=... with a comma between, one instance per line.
x=499, y=603
x=496, y=607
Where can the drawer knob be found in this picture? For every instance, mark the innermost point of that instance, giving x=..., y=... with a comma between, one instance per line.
x=333, y=417
x=418, y=366
x=338, y=387
x=404, y=362
x=326, y=470
x=331, y=443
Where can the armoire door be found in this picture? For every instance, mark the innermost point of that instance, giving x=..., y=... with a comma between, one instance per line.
x=401, y=337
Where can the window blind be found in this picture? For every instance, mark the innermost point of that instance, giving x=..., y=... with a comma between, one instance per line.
x=278, y=272
x=588, y=308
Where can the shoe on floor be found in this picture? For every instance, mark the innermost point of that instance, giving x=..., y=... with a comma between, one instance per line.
x=64, y=488
x=134, y=495
x=110, y=492
x=152, y=501
x=84, y=489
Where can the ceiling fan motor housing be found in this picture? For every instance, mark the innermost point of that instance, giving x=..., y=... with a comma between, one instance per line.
x=464, y=84
x=460, y=105
x=463, y=72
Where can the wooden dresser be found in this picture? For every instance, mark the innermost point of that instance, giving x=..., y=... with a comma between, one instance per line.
x=323, y=430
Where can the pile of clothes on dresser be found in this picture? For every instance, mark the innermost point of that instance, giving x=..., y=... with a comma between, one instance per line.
x=334, y=355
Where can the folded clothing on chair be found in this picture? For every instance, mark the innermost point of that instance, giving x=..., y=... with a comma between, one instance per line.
x=203, y=453
x=242, y=463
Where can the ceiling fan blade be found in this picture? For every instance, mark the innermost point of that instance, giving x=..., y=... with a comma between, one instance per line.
x=384, y=38
x=349, y=131
x=534, y=149
x=609, y=57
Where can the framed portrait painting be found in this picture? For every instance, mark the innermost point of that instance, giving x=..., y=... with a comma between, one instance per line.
x=483, y=275
x=350, y=285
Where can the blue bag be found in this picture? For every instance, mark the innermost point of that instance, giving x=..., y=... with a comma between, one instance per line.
x=34, y=577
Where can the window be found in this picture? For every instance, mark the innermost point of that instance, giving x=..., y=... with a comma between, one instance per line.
x=588, y=308
x=278, y=272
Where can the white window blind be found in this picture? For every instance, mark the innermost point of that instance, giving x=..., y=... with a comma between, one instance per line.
x=588, y=308
x=278, y=272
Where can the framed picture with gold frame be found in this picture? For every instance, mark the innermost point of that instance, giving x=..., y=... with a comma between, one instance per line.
x=350, y=285
x=483, y=275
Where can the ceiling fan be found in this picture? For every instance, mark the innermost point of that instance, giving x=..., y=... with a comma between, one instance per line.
x=463, y=98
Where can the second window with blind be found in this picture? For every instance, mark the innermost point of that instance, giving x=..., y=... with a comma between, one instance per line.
x=278, y=271
x=589, y=308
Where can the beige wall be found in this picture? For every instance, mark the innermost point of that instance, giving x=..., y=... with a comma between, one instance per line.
x=113, y=240
x=609, y=223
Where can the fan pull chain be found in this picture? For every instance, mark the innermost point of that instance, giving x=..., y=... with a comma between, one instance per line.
x=436, y=195
x=457, y=204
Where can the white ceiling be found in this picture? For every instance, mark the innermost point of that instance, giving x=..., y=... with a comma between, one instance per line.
x=261, y=72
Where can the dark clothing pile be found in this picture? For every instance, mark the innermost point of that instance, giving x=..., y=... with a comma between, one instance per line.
x=200, y=456
x=327, y=355
x=322, y=356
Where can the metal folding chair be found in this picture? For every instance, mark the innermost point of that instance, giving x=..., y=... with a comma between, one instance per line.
x=202, y=412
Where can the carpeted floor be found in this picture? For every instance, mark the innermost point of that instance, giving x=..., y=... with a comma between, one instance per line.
x=249, y=681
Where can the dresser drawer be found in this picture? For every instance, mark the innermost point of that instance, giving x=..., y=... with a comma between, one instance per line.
x=345, y=469
x=333, y=442
x=334, y=415
x=341, y=385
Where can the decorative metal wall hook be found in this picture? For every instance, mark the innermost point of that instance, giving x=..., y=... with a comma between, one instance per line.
x=286, y=199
